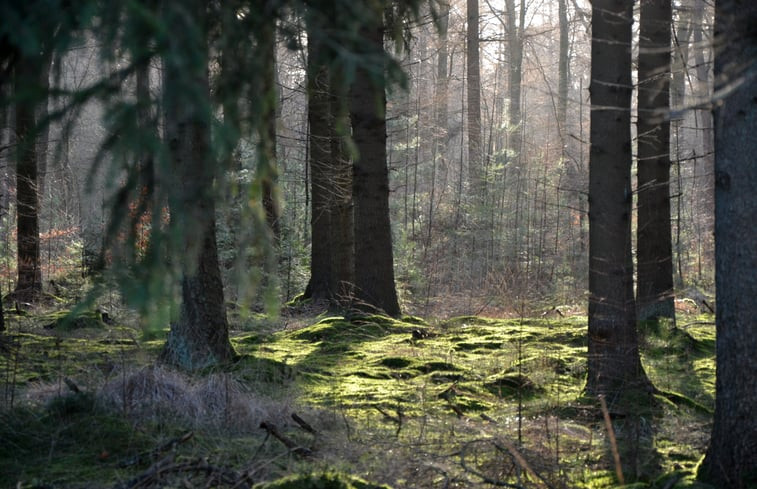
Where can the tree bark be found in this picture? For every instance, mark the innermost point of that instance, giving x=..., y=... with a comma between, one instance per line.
x=200, y=337
x=267, y=130
x=654, y=253
x=731, y=459
x=29, y=282
x=515, y=44
x=475, y=160
x=332, y=229
x=563, y=68
x=614, y=365
x=374, y=263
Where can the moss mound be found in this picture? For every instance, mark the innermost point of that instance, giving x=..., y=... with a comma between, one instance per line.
x=66, y=321
x=510, y=384
x=327, y=480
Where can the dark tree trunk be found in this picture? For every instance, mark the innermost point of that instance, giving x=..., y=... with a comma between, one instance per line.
x=43, y=137
x=29, y=273
x=200, y=337
x=654, y=291
x=731, y=459
x=374, y=265
x=267, y=132
x=475, y=160
x=342, y=217
x=614, y=366
x=332, y=248
x=319, y=153
x=515, y=44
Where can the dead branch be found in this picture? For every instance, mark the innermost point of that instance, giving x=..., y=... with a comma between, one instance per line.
x=213, y=474
x=303, y=424
x=291, y=446
x=480, y=475
x=168, y=446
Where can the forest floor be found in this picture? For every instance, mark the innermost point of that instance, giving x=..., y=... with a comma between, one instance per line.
x=466, y=402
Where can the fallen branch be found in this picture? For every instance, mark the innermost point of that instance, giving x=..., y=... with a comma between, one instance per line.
x=303, y=424
x=146, y=457
x=482, y=476
x=214, y=475
x=291, y=446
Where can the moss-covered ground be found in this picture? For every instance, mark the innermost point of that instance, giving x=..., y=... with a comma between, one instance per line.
x=457, y=403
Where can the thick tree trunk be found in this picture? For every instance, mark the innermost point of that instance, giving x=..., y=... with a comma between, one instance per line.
x=374, y=264
x=332, y=248
x=200, y=337
x=342, y=216
x=654, y=291
x=614, y=366
x=731, y=459
x=29, y=272
x=319, y=153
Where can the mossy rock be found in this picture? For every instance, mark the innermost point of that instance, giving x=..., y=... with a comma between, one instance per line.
x=510, y=384
x=327, y=480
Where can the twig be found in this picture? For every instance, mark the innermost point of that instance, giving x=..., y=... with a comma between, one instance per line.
x=155, y=453
x=217, y=475
x=516, y=455
x=459, y=412
x=613, y=441
x=303, y=424
x=292, y=446
x=393, y=419
x=484, y=477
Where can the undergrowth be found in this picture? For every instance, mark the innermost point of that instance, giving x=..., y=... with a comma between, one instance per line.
x=465, y=402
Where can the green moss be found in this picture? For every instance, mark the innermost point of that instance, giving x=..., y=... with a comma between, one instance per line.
x=326, y=480
x=70, y=441
x=511, y=385
x=66, y=321
x=396, y=362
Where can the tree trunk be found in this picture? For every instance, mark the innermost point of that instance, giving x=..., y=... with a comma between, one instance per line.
x=342, y=216
x=332, y=248
x=563, y=68
x=29, y=282
x=515, y=44
x=374, y=264
x=43, y=137
x=654, y=246
x=731, y=459
x=475, y=161
x=267, y=130
x=200, y=337
x=614, y=366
